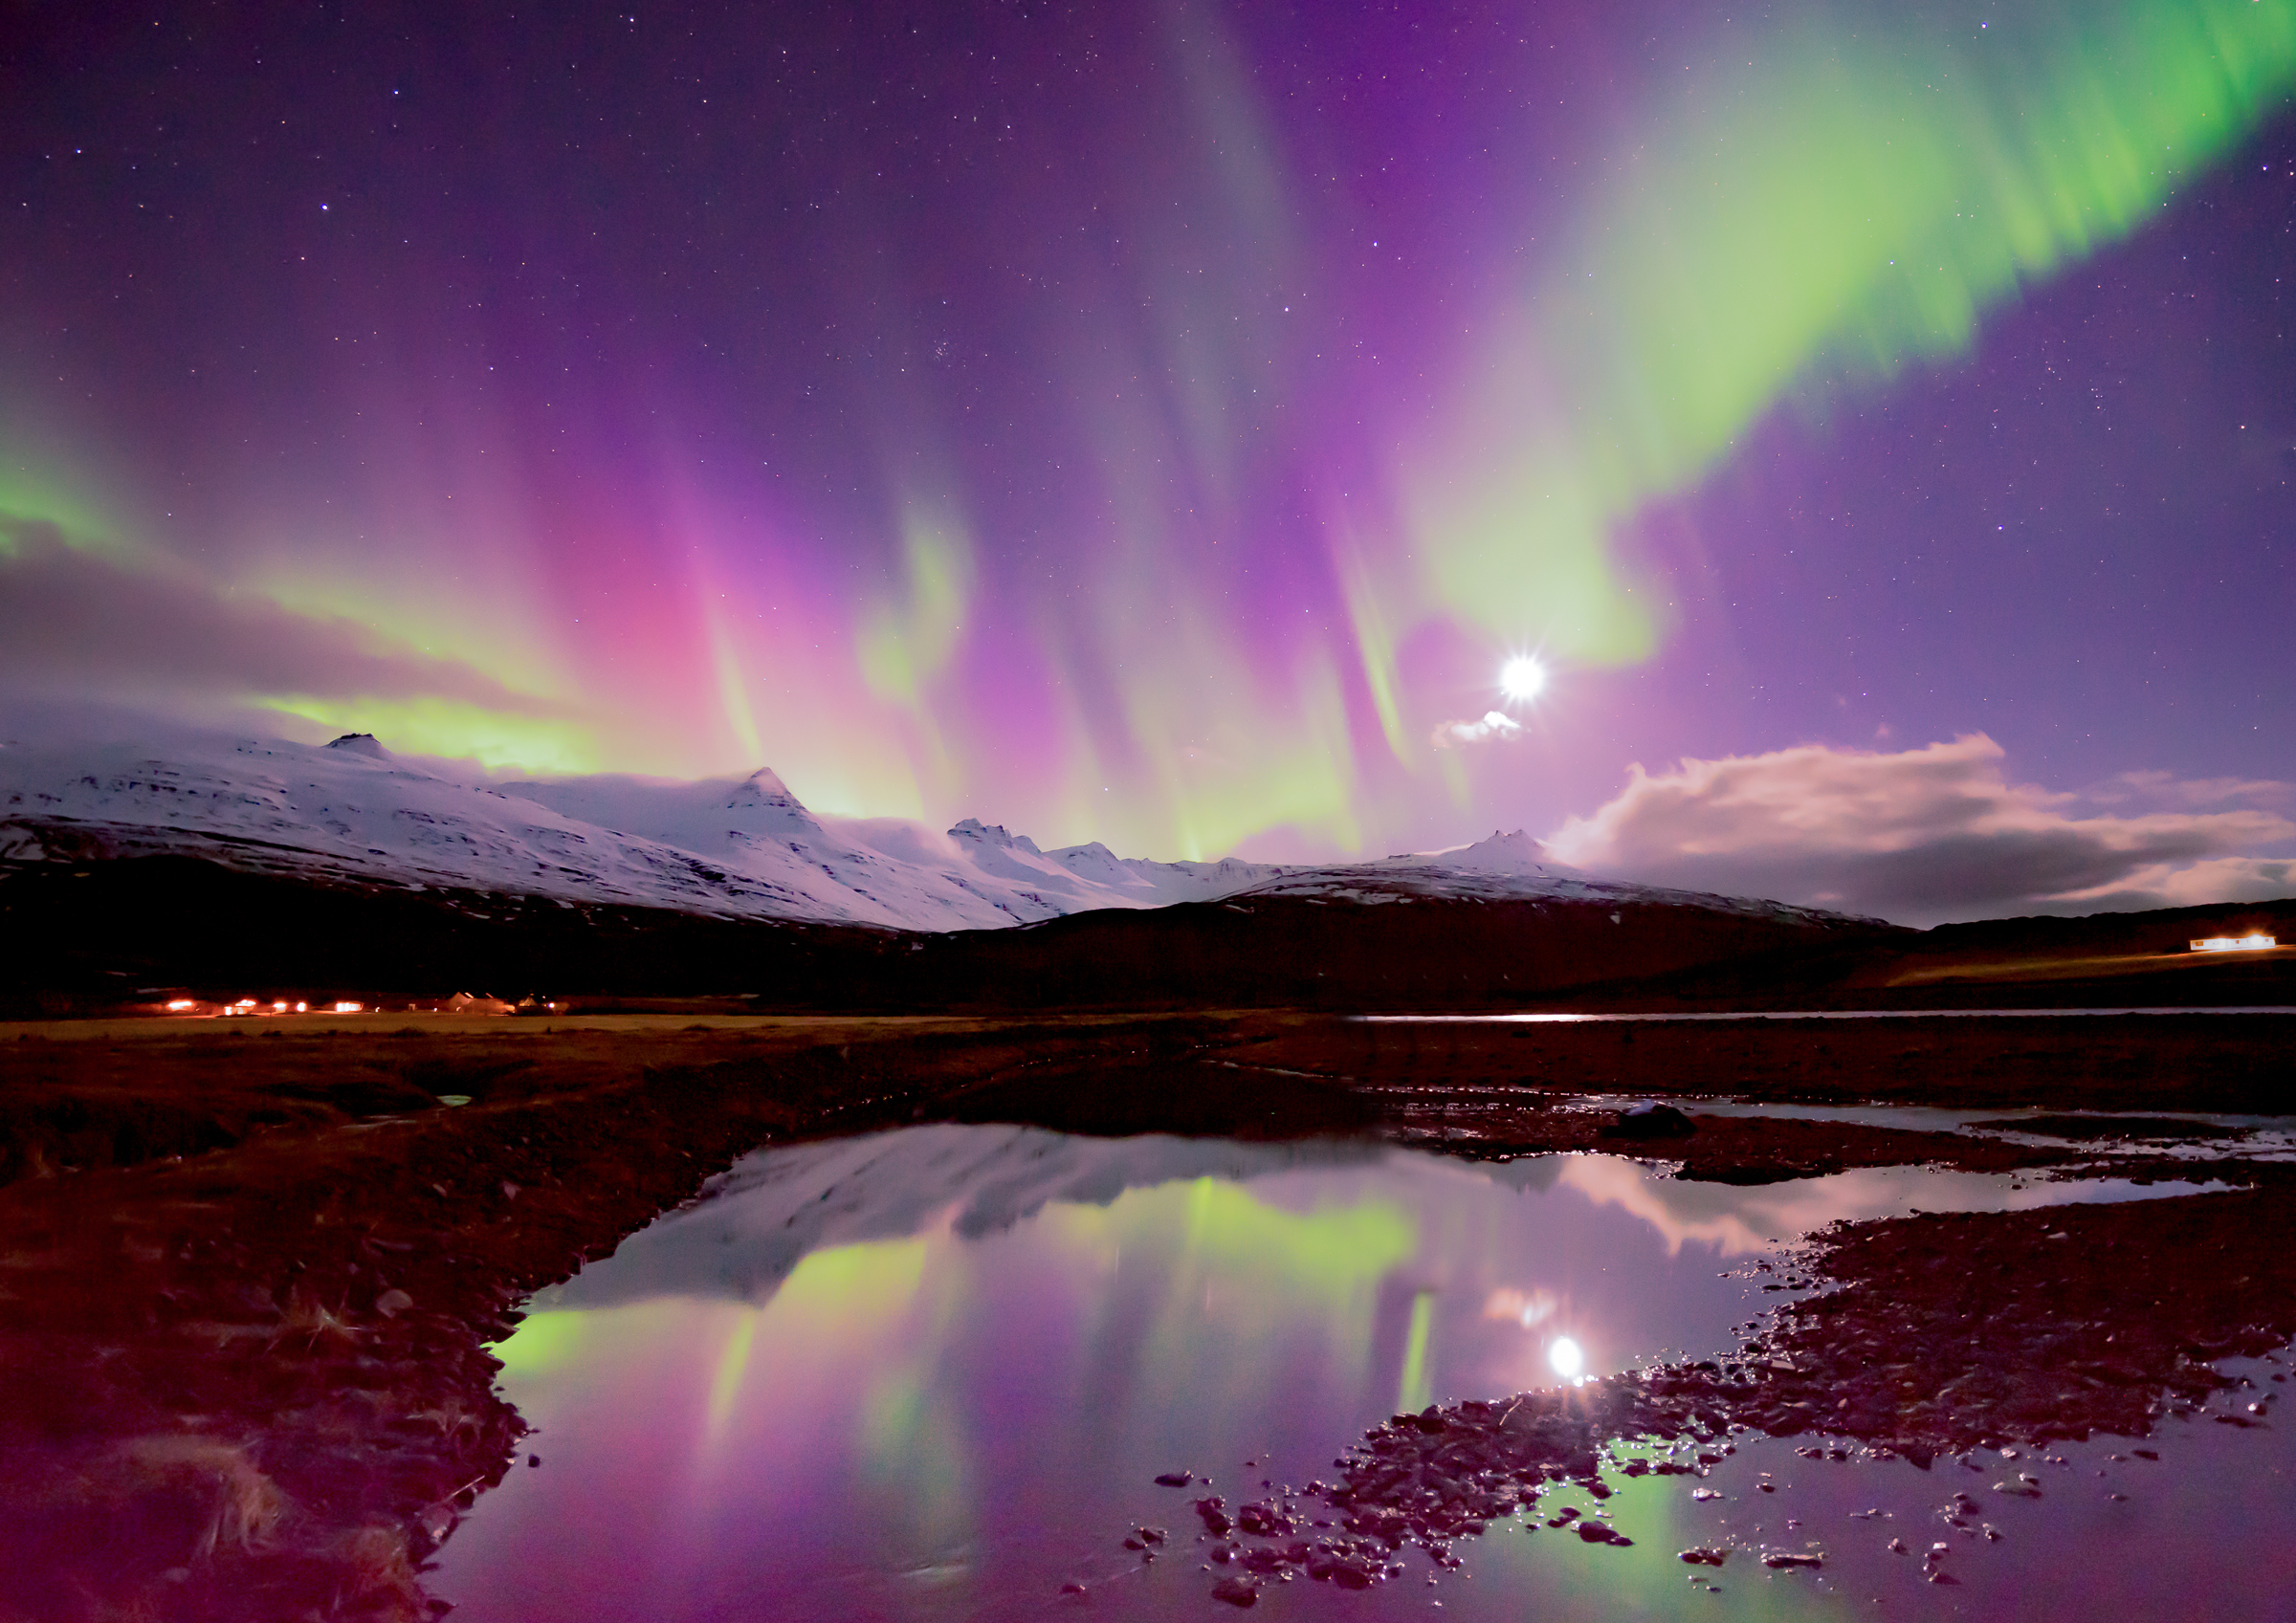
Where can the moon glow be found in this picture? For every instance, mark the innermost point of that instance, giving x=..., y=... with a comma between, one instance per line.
x=1521, y=678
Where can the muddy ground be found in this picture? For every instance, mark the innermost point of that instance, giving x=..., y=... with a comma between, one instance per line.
x=248, y=1270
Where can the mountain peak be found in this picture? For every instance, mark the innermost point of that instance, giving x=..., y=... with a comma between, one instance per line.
x=361, y=744
x=1502, y=853
x=762, y=803
x=994, y=834
x=765, y=787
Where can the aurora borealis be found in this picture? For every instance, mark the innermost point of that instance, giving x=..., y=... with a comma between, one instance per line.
x=1161, y=423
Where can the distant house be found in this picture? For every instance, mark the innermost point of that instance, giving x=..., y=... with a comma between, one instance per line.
x=2234, y=943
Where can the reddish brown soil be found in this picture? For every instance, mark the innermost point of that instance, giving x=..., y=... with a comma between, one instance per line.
x=252, y=1382
x=247, y=1282
x=1948, y=1332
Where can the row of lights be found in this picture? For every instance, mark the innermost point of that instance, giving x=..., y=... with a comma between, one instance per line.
x=250, y=1006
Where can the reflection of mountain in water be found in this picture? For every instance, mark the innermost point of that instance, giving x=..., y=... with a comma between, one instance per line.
x=759, y=1220
x=751, y=1227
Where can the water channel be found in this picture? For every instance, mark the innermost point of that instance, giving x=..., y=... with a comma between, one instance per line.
x=934, y=1373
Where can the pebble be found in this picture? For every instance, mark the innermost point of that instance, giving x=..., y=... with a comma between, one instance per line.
x=1441, y=1473
x=1237, y=1592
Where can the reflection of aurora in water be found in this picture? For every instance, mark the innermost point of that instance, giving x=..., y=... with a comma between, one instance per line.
x=963, y=1390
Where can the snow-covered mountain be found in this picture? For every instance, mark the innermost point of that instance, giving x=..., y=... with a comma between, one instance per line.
x=1506, y=866
x=742, y=848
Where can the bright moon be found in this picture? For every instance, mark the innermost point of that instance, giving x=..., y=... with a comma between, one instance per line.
x=1521, y=678
x=1565, y=1356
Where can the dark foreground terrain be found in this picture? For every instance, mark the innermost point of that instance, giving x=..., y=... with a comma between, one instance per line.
x=120, y=936
x=249, y=1269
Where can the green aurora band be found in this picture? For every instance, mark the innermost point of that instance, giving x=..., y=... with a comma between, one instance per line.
x=1850, y=202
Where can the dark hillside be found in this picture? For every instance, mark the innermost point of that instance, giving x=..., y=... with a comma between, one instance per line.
x=101, y=936
x=1409, y=952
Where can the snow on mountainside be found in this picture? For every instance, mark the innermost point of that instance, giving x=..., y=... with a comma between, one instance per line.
x=741, y=847
x=1131, y=881
x=1512, y=866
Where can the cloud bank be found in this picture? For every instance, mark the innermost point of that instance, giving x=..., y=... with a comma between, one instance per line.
x=1936, y=834
x=79, y=622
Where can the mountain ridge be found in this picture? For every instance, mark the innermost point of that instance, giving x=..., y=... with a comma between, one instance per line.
x=733, y=847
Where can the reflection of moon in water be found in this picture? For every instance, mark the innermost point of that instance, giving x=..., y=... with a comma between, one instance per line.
x=1521, y=678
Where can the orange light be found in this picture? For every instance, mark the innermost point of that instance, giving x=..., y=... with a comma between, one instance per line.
x=348, y=1008
x=177, y=1005
x=2234, y=943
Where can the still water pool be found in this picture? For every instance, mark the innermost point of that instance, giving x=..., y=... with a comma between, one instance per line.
x=933, y=1374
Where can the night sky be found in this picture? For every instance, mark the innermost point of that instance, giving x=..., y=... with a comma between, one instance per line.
x=1161, y=423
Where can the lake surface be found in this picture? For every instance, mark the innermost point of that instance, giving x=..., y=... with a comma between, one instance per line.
x=933, y=1373
x=1677, y=1018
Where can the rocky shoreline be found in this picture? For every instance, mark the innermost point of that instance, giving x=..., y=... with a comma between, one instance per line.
x=250, y=1280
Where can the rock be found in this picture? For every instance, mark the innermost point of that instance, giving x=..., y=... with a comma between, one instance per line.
x=1237, y=1592
x=1175, y=1479
x=1651, y=1120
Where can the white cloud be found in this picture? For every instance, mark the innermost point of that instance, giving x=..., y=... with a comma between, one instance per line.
x=2219, y=879
x=2164, y=789
x=1458, y=735
x=1932, y=834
